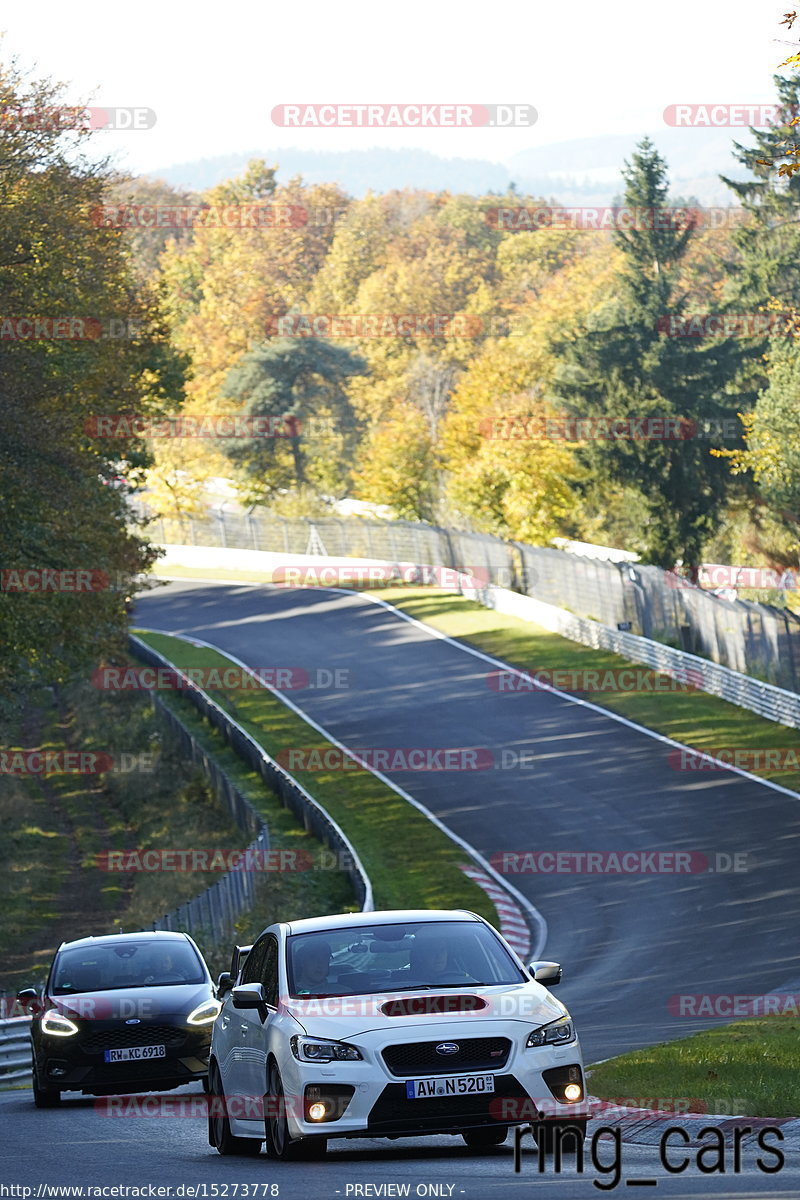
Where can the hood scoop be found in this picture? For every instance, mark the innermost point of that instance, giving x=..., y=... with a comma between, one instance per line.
x=425, y=1004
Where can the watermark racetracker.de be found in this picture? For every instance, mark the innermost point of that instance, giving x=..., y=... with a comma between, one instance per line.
x=618, y=862
x=403, y=116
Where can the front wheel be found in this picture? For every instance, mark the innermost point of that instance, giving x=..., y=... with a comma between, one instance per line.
x=485, y=1139
x=219, y=1127
x=569, y=1135
x=276, y=1128
x=43, y=1097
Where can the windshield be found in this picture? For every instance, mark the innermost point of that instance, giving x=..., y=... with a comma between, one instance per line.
x=384, y=958
x=113, y=965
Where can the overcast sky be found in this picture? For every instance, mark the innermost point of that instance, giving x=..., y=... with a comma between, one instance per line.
x=214, y=73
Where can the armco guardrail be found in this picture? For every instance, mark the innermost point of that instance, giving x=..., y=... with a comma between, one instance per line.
x=15, y=1049
x=768, y=701
x=314, y=817
x=759, y=639
x=212, y=915
x=765, y=699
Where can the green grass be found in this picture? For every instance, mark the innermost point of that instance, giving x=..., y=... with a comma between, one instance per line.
x=750, y=1068
x=281, y=895
x=411, y=863
x=34, y=861
x=691, y=717
x=51, y=887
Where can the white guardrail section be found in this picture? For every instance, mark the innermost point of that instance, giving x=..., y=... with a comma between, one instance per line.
x=774, y=703
x=15, y=1049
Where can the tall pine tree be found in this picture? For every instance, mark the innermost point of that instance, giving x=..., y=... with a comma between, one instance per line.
x=624, y=365
x=305, y=379
x=767, y=264
x=765, y=275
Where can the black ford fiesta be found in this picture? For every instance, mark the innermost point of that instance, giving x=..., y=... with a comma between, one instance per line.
x=130, y=1012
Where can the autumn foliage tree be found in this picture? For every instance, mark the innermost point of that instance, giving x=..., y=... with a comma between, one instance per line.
x=624, y=365
x=64, y=501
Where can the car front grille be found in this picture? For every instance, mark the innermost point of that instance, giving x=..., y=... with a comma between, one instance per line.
x=120, y=1036
x=421, y=1058
x=157, y=1070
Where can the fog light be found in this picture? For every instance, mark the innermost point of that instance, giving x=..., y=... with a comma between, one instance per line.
x=573, y=1091
x=326, y=1101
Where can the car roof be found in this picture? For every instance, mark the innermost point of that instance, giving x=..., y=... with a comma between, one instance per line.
x=115, y=938
x=398, y=916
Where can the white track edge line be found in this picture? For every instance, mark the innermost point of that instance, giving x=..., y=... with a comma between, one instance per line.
x=539, y=922
x=498, y=662
x=606, y=712
x=351, y=850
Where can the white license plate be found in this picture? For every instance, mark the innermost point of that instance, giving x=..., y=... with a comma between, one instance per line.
x=449, y=1085
x=135, y=1053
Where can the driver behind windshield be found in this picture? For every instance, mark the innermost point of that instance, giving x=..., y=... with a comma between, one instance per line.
x=164, y=968
x=430, y=963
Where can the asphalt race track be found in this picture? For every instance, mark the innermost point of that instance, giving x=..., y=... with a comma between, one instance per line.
x=628, y=943
x=77, y=1147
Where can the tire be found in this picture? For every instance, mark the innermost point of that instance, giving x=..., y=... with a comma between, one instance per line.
x=485, y=1139
x=219, y=1127
x=276, y=1128
x=43, y=1097
x=545, y=1135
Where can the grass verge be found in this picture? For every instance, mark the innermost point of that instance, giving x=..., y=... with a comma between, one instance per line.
x=411, y=863
x=51, y=885
x=688, y=716
x=748, y=1068
x=691, y=717
x=55, y=826
x=282, y=895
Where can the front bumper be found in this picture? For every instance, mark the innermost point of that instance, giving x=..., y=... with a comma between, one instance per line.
x=78, y=1063
x=528, y=1086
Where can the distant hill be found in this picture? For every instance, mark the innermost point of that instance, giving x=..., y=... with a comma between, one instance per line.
x=357, y=171
x=582, y=171
x=588, y=170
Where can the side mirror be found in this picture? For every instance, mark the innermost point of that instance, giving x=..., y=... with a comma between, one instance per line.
x=250, y=995
x=238, y=955
x=224, y=984
x=546, y=973
x=28, y=1000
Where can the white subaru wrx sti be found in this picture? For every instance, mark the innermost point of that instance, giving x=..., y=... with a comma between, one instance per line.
x=390, y=1024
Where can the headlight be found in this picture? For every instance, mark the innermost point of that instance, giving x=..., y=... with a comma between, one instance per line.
x=205, y=1013
x=57, y=1025
x=561, y=1030
x=318, y=1050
